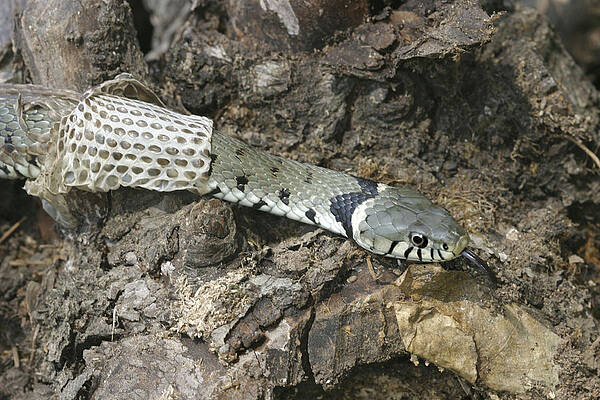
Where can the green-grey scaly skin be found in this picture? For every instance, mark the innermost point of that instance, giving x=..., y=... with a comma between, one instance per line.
x=22, y=139
x=15, y=159
x=395, y=222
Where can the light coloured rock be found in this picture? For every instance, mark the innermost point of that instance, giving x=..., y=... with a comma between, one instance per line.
x=447, y=322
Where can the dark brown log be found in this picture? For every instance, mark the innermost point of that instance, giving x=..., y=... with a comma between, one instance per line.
x=70, y=44
x=298, y=25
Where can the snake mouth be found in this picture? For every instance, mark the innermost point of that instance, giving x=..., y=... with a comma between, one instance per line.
x=478, y=262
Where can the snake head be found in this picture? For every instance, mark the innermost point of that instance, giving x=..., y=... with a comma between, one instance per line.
x=403, y=224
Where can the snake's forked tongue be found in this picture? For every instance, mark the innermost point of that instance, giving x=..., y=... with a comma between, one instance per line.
x=475, y=260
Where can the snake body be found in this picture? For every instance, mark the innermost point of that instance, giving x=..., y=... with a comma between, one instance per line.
x=120, y=134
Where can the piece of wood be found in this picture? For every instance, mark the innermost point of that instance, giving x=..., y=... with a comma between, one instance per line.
x=297, y=25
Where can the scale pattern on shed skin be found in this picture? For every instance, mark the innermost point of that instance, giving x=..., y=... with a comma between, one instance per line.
x=107, y=142
x=58, y=148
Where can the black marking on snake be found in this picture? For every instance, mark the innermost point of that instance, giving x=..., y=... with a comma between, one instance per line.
x=420, y=254
x=240, y=151
x=284, y=195
x=4, y=169
x=343, y=205
x=311, y=214
x=215, y=191
x=407, y=252
x=18, y=173
x=392, y=246
x=309, y=177
x=242, y=181
x=431, y=253
x=259, y=204
x=9, y=147
x=440, y=254
x=274, y=171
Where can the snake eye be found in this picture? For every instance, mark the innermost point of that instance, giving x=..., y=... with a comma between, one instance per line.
x=418, y=239
x=445, y=246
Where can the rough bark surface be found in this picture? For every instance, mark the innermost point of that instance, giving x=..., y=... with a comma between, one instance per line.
x=176, y=297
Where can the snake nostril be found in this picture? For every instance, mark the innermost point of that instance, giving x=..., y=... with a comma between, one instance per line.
x=445, y=246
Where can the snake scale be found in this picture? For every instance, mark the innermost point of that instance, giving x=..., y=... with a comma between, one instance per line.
x=120, y=134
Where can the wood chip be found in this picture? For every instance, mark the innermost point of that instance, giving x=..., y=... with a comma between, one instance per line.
x=10, y=230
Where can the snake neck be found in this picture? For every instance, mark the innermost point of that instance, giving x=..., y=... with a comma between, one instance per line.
x=302, y=192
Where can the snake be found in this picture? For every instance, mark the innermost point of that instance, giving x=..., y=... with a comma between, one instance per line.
x=120, y=134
